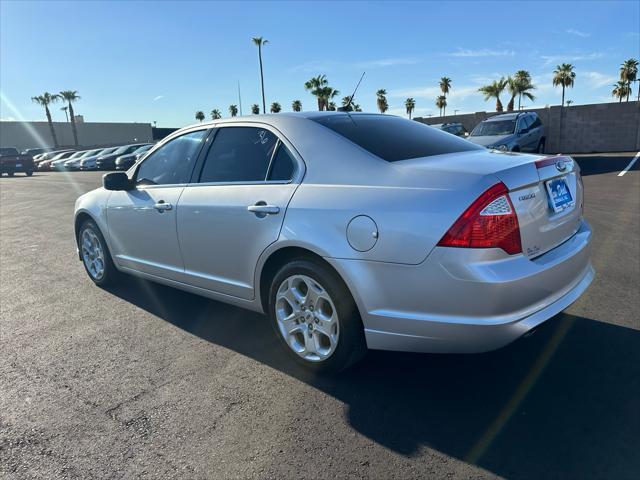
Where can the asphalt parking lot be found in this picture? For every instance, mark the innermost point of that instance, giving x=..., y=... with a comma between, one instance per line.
x=143, y=381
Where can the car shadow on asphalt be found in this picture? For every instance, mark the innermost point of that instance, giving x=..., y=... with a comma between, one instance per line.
x=564, y=402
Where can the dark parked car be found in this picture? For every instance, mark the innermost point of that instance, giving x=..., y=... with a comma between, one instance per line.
x=511, y=132
x=125, y=162
x=11, y=161
x=454, y=128
x=108, y=162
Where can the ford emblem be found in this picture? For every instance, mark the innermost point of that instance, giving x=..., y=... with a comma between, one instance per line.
x=561, y=165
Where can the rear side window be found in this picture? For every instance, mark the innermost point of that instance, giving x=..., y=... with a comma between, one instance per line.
x=239, y=154
x=393, y=138
x=282, y=166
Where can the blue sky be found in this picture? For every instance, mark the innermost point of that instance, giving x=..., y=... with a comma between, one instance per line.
x=162, y=61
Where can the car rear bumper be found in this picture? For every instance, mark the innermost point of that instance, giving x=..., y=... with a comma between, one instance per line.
x=466, y=300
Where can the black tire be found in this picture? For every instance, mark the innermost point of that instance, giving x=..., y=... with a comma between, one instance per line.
x=111, y=274
x=541, y=146
x=515, y=149
x=10, y=174
x=29, y=173
x=351, y=346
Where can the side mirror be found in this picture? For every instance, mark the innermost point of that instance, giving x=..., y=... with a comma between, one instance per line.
x=116, y=181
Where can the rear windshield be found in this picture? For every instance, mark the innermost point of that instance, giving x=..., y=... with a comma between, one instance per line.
x=393, y=138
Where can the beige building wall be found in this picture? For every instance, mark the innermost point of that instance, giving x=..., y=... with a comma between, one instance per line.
x=23, y=135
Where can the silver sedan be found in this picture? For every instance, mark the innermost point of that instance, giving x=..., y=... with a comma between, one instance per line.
x=349, y=231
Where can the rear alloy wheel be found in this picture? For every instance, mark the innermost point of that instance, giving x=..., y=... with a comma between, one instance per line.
x=315, y=317
x=95, y=255
x=10, y=174
x=29, y=173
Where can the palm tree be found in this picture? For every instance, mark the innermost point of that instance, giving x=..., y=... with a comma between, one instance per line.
x=275, y=107
x=355, y=107
x=381, y=101
x=565, y=76
x=445, y=87
x=569, y=102
x=255, y=109
x=71, y=96
x=629, y=73
x=200, y=115
x=441, y=103
x=296, y=106
x=215, y=114
x=260, y=42
x=315, y=86
x=233, y=110
x=45, y=100
x=523, y=79
x=493, y=90
x=332, y=107
x=410, y=105
x=66, y=114
x=328, y=94
x=621, y=90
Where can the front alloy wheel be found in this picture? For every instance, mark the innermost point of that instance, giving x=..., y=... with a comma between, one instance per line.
x=95, y=254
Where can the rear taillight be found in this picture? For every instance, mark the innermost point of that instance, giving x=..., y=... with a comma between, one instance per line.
x=490, y=222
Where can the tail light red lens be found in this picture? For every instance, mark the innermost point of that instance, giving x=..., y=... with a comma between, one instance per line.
x=489, y=222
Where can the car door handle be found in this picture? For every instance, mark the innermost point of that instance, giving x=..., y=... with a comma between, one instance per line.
x=261, y=209
x=161, y=206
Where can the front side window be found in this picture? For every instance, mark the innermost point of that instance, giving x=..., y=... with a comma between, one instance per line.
x=239, y=154
x=173, y=162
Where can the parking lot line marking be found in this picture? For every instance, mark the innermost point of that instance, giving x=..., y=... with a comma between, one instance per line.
x=621, y=174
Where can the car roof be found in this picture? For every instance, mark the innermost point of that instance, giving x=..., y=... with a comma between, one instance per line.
x=508, y=116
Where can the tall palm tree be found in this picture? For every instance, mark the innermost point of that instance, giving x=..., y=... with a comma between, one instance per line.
x=260, y=42
x=441, y=103
x=233, y=110
x=215, y=114
x=381, y=100
x=66, y=114
x=621, y=89
x=356, y=107
x=200, y=115
x=45, y=100
x=410, y=105
x=275, y=107
x=523, y=79
x=565, y=76
x=494, y=90
x=445, y=87
x=328, y=94
x=296, y=106
x=316, y=86
x=629, y=73
x=255, y=109
x=519, y=86
x=71, y=96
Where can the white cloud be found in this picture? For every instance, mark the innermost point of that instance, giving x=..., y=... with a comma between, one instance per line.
x=430, y=93
x=596, y=79
x=387, y=62
x=7, y=119
x=314, y=66
x=158, y=98
x=551, y=59
x=578, y=33
x=484, y=52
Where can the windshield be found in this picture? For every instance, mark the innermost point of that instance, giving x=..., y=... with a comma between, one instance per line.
x=91, y=153
x=393, y=138
x=77, y=154
x=107, y=151
x=143, y=149
x=501, y=127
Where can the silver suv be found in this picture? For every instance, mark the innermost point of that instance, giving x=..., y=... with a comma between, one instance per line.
x=513, y=132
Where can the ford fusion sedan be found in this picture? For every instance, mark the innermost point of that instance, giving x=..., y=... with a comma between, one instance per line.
x=90, y=163
x=511, y=132
x=124, y=162
x=108, y=161
x=349, y=231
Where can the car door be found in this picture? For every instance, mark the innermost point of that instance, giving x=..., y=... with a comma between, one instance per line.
x=236, y=208
x=142, y=221
x=527, y=139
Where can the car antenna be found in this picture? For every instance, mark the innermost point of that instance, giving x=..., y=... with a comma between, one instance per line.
x=348, y=105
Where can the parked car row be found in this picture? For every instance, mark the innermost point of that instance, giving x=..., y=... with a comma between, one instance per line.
x=110, y=158
x=510, y=132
